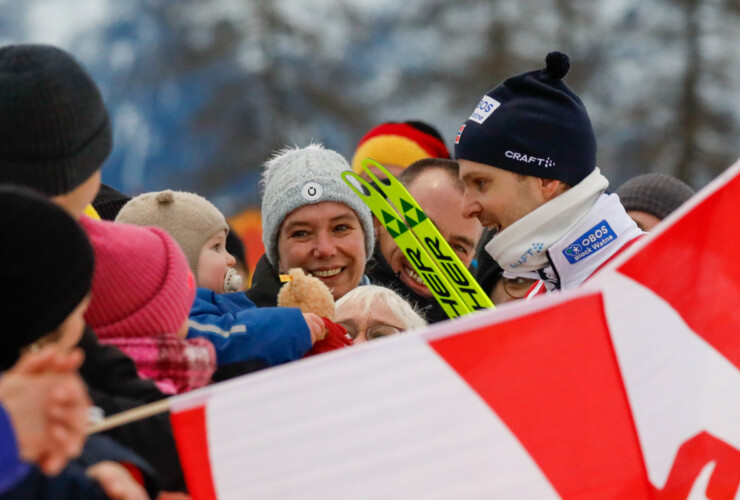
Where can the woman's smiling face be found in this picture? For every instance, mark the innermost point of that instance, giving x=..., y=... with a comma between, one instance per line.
x=326, y=240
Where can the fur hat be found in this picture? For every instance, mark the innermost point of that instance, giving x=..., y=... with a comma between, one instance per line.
x=297, y=177
x=189, y=218
x=532, y=124
x=400, y=144
x=656, y=194
x=47, y=268
x=142, y=284
x=54, y=127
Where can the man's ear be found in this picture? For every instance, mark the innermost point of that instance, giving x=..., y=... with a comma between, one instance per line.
x=550, y=188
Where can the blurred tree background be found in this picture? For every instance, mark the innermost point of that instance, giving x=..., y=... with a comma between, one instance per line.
x=202, y=92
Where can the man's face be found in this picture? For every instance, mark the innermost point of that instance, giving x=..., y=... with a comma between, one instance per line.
x=436, y=193
x=497, y=197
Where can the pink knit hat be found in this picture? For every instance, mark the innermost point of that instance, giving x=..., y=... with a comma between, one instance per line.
x=142, y=284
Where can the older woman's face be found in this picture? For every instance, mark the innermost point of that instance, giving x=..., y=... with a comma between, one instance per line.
x=377, y=319
x=326, y=240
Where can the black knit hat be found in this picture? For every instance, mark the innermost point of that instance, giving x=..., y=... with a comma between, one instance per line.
x=54, y=128
x=235, y=246
x=109, y=201
x=47, y=268
x=656, y=194
x=532, y=124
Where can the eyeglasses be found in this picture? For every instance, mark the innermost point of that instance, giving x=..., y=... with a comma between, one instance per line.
x=372, y=332
x=517, y=288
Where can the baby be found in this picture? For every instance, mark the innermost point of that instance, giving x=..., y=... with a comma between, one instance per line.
x=240, y=332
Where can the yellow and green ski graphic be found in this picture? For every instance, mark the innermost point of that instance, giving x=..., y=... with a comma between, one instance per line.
x=431, y=256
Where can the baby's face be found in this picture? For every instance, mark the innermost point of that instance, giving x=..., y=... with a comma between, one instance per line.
x=214, y=262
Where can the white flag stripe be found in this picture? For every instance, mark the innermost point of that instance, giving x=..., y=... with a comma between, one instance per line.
x=392, y=421
x=677, y=384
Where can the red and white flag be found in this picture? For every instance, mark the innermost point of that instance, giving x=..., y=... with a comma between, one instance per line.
x=626, y=388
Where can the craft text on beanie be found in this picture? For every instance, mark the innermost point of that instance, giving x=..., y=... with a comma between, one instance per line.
x=142, y=284
x=297, y=177
x=189, y=218
x=47, y=268
x=54, y=128
x=532, y=124
x=655, y=194
x=400, y=144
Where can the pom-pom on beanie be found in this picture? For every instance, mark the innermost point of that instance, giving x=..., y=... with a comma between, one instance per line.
x=142, y=284
x=189, y=218
x=532, y=124
x=54, y=128
x=656, y=194
x=47, y=268
x=297, y=177
x=400, y=144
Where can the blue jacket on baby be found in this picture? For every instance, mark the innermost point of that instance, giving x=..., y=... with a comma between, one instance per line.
x=241, y=331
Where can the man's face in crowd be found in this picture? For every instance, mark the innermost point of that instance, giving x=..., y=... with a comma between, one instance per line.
x=440, y=198
x=498, y=198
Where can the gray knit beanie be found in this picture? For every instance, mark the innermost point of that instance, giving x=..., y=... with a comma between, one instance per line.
x=297, y=177
x=190, y=219
x=656, y=194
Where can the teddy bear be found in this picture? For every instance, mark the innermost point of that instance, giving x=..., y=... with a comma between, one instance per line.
x=311, y=295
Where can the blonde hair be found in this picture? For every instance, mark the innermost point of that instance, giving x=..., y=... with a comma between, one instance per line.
x=365, y=298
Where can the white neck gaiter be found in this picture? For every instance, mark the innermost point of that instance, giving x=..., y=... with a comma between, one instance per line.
x=521, y=247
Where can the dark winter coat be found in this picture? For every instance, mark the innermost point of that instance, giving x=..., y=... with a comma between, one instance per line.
x=115, y=386
x=265, y=284
x=72, y=482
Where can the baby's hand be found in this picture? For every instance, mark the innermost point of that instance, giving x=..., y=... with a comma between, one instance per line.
x=316, y=326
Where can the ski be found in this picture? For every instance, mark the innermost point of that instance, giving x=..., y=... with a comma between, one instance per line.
x=441, y=269
x=425, y=230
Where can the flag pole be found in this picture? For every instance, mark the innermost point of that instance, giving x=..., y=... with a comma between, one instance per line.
x=132, y=415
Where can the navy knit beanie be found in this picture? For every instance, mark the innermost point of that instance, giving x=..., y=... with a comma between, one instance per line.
x=54, y=127
x=532, y=124
x=47, y=268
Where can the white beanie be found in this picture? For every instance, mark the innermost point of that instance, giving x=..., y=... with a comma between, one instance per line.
x=296, y=177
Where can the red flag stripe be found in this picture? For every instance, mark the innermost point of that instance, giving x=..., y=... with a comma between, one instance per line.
x=690, y=261
x=552, y=377
x=191, y=437
x=701, y=279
